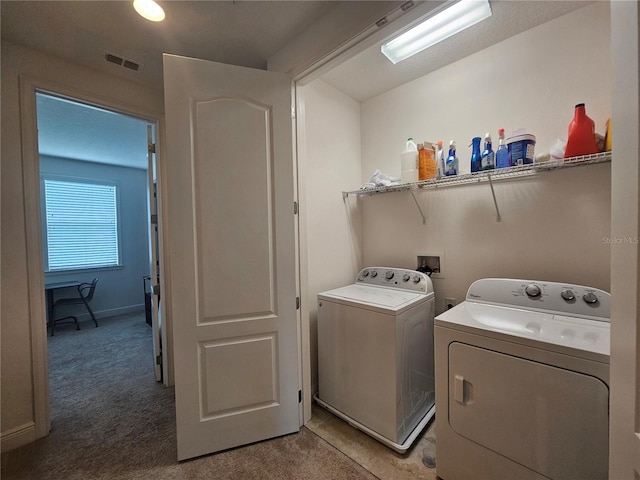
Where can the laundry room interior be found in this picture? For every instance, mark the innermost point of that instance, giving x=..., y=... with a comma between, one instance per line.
x=557, y=231
x=553, y=226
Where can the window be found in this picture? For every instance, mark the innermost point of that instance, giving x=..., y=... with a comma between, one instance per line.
x=81, y=223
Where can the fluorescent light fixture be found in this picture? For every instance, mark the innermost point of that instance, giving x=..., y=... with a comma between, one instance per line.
x=434, y=29
x=149, y=10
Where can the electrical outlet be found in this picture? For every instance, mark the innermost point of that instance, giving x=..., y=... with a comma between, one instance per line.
x=450, y=302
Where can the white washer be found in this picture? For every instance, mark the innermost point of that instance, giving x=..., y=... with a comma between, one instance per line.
x=375, y=354
x=522, y=382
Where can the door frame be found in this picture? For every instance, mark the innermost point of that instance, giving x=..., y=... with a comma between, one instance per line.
x=624, y=439
x=29, y=86
x=396, y=20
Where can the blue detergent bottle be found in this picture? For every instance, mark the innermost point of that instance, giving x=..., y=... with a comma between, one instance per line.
x=502, y=154
x=451, y=165
x=488, y=160
x=475, y=155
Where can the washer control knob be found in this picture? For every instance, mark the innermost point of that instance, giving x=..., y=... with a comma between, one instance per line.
x=374, y=274
x=532, y=290
x=406, y=277
x=389, y=275
x=416, y=279
x=365, y=274
x=590, y=297
x=568, y=295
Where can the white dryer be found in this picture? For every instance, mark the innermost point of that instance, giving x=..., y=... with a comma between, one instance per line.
x=375, y=354
x=522, y=382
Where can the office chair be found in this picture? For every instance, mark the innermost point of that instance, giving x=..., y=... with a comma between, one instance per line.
x=85, y=294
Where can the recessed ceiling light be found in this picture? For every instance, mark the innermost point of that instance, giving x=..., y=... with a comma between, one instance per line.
x=149, y=10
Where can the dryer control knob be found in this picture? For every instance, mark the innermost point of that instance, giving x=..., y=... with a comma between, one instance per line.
x=374, y=274
x=416, y=279
x=388, y=275
x=365, y=274
x=568, y=295
x=406, y=277
x=532, y=290
x=590, y=298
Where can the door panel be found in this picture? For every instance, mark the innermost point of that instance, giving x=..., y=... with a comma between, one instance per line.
x=551, y=420
x=230, y=195
x=251, y=384
x=242, y=166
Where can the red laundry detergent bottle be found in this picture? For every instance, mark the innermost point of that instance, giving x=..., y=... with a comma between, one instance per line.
x=581, y=139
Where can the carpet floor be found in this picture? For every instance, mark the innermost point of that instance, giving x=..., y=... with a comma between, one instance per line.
x=112, y=420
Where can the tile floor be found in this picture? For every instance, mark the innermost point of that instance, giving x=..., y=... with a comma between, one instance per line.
x=378, y=459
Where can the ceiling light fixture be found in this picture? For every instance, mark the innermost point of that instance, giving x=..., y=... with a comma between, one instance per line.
x=149, y=10
x=448, y=22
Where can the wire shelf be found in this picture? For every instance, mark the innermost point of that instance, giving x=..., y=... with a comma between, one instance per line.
x=519, y=171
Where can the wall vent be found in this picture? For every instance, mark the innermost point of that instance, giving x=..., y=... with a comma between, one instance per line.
x=110, y=57
x=123, y=62
x=131, y=65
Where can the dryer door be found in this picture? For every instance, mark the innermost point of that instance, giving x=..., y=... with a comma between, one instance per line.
x=551, y=420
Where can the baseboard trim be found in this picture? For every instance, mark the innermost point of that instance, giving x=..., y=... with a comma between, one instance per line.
x=112, y=312
x=18, y=436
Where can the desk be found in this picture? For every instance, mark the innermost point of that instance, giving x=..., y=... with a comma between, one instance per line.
x=49, y=289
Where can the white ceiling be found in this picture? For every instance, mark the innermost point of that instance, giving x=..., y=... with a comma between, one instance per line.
x=82, y=132
x=370, y=73
x=239, y=32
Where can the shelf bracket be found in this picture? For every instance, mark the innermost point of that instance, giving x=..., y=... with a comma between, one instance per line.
x=424, y=219
x=495, y=202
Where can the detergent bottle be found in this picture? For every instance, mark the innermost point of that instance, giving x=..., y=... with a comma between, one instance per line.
x=502, y=154
x=440, y=159
x=488, y=161
x=581, y=139
x=427, y=167
x=475, y=155
x=409, y=162
x=451, y=165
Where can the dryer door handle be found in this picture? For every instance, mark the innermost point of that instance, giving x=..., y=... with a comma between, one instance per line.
x=461, y=390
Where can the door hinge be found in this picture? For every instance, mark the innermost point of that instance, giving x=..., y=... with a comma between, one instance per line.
x=297, y=303
x=295, y=208
x=293, y=112
x=154, y=219
x=156, y=289
x=151, y=147
x=158, y=359
x=299, y=396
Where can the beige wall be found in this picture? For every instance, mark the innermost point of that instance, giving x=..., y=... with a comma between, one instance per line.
x=331, y=163
x=17, y=410
x=553, y=224
x=532, y=81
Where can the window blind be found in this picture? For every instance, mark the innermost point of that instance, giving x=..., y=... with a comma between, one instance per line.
x=81, y=225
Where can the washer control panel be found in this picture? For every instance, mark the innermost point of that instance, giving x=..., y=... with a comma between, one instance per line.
x=400, y=278
x=553, y=297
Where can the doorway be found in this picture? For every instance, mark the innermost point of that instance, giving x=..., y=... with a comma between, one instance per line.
x=91, y=147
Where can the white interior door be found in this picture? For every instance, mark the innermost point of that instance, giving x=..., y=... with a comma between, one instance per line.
x=153, y=241
x=232, y=262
